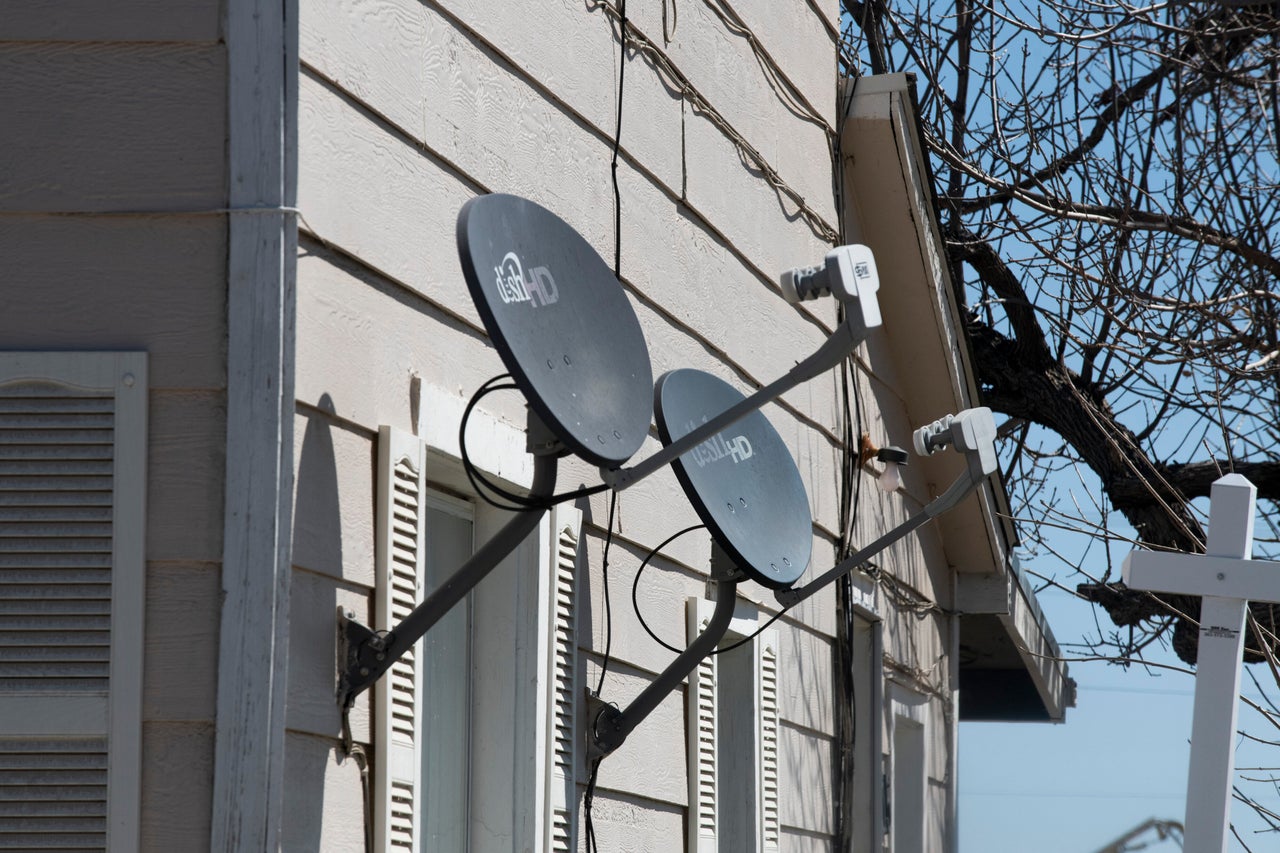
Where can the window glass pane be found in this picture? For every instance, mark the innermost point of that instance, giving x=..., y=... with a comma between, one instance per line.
x=908, y=786
x=737, y=719
x=446, y=667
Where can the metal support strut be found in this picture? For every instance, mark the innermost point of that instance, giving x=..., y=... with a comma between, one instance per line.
x=843, y=340
x=608, y=727
x=365, y=654
x=973, y=433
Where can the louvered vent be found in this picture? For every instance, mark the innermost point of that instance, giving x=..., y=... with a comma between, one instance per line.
x=400, y=819
x=561, y=831
x=769, y=745
x=406, y=521
x=55, y=539
x=53, y=794
x=564, y=665
x=706, y=740
x=396, y=727
x=566, y=556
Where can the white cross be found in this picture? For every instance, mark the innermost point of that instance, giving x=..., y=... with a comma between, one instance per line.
x=1227, y=580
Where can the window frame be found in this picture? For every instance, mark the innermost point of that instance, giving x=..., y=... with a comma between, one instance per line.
x=543, y=617
x=908, y=788
x=705, y=815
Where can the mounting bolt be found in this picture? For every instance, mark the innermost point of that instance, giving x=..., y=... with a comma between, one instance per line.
x=364, y=670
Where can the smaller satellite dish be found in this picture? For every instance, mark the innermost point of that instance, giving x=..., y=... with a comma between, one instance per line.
x=742, y=481
x=561, y=323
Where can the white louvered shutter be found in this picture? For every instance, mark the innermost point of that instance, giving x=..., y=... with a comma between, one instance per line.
x=397, y=728
x=701, y=707
x=73, y=438
x=767, y=678
x=566, y=530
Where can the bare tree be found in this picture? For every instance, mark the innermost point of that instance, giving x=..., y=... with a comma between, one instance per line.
x=1107, y=176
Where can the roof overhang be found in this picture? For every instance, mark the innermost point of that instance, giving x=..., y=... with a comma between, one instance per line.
x=1010, y=667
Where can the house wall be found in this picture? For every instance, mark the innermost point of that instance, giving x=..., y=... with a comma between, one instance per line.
x=406, y=110
x=114, y=135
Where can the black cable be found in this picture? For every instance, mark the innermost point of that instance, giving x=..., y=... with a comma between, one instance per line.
x=351, y=749
x=473, y=474
x=850, y=499
x=516, y=502
x=635, y=602
x=757, y=632
x=588, y=800
x=608, y=608
x=617, y=140
x=635, y=586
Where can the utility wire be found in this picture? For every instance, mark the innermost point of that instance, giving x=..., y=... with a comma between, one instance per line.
x=588, y=800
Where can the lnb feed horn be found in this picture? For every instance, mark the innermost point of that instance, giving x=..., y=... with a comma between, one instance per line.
x=971, y=432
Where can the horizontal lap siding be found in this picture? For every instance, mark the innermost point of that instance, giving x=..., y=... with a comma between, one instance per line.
x=122, y=108
x=408, y=109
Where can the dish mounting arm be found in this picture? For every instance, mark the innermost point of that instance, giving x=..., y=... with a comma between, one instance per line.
x=365, y=654
x=607, y=726
x=973, y=433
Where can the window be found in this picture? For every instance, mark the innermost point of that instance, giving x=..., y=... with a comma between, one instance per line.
x=908, y=769
x=733, y=738
x=868, y=770
x=472, y=753
x=73, y=440
x=445, y=694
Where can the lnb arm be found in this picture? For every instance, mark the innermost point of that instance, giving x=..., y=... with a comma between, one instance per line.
x=849, y=274
x=973, y=433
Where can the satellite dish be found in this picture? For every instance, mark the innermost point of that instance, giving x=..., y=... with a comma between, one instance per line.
x=561, y=323
x=742, y=481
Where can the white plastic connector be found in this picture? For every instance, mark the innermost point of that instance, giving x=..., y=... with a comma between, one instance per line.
x=933, y=438
x=847, y=272
x=971, y=431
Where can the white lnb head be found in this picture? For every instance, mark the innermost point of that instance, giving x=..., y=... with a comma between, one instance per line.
x=933, y=438
x=971, y=431
x=847, y=272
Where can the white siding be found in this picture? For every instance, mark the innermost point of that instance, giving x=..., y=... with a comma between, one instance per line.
x=116, y=123
x=406, y=111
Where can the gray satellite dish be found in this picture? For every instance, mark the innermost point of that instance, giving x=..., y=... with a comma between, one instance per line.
x=561, y=323
x=745, y=487
x=569, y=337
x=742, y=482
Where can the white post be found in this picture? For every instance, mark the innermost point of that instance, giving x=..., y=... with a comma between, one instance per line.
x=1213, y=727
x=1226, y=579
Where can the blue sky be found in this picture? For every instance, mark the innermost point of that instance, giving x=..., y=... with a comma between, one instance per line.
x=1120, y=759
